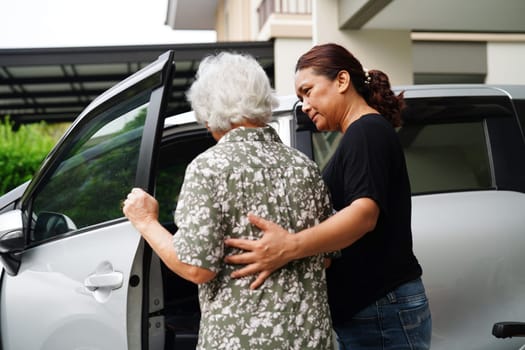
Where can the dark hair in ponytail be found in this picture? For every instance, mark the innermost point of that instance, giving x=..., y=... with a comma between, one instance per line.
x=329, y=59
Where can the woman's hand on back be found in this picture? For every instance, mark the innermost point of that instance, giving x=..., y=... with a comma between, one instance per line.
x=263, y=256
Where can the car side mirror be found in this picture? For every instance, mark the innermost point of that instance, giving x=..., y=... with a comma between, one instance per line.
x=12, y=240
x=51, y=224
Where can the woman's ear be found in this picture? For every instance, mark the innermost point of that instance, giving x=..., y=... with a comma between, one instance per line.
x=343, y=80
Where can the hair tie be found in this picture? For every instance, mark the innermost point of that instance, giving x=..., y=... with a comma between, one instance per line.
x=368, y=78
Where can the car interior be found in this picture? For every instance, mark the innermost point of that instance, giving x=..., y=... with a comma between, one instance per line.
x=181, y=305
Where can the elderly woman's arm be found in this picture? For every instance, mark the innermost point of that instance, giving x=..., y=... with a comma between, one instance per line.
x=277, y=247
x=142, y=211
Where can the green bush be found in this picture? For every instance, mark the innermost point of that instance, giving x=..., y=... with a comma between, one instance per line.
x=22, y=151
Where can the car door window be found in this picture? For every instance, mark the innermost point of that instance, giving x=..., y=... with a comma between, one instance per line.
x=445, y=143
x=520, y=108
x=319, y=146
x=94, y=175
x=324, y=145
x=459, y=143
x=446, y=157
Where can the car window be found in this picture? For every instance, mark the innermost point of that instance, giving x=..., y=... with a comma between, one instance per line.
x=440, y=157
x=94, y=175
x=455, y=143
x=520, y=108
x=446, y=157
x=445, y=143
x=319, y=146
x=324, y=145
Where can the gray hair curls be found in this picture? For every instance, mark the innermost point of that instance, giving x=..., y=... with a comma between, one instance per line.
x=230, y=87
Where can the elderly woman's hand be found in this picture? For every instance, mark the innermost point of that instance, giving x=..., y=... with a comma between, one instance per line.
x=141, y=209
x=265, y=255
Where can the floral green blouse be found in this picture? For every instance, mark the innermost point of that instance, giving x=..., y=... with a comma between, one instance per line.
x=251, y=170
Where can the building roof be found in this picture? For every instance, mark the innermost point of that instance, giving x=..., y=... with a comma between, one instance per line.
x=56, y=84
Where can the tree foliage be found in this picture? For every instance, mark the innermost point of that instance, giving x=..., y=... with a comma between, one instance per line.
x=22, y=151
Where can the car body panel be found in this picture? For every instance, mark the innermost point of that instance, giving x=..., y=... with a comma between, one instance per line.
x=470, y=245
x=49, y=307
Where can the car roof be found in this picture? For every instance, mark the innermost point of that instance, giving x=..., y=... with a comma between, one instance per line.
x=286, y=103
x=458, y=90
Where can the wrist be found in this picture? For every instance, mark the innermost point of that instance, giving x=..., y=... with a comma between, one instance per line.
x=146, y=225
x=292, y=250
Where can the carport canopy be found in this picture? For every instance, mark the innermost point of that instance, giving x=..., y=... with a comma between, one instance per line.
x=56, y=84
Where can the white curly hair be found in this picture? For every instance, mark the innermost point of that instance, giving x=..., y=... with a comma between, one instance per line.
x=229, y=88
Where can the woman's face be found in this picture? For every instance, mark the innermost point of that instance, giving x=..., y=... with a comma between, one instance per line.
x=320, y=98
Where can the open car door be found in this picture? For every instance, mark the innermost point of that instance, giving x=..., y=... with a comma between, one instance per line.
x=74, y=272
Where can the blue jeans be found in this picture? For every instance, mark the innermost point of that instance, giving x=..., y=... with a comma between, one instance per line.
x=399, y=320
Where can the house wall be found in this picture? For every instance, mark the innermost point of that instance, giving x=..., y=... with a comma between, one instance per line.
x=287, y=51
x=406, y=57
x=386, y=50
x=505, y=63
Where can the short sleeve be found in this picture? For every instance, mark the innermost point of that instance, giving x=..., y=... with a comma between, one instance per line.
x=325, y=202
x=199, y=239
x=365, y=165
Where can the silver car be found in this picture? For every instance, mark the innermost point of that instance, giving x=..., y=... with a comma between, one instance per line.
x=76, y=274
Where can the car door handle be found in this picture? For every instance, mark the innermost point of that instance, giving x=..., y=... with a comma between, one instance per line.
x=109, y=280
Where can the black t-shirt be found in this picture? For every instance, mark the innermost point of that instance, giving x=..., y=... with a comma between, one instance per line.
x=369, y=162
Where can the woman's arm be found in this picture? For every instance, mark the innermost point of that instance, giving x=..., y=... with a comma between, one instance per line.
x=277, y=247
x=142, y=210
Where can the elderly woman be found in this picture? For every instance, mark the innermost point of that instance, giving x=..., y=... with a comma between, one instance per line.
x=248, y=170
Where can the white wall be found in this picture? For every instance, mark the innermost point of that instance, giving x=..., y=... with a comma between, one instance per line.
x=286, y=52
x=386, y=50
x=505, y=63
